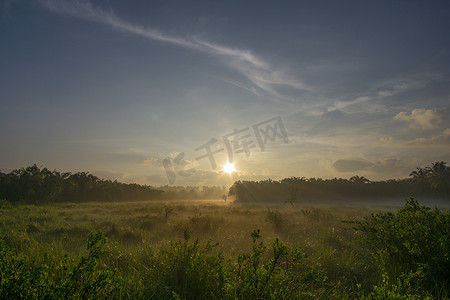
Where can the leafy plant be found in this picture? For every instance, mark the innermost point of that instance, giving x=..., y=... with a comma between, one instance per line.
x=281, y=276
x=411, y=245
x=186, y=270
x=53, y=277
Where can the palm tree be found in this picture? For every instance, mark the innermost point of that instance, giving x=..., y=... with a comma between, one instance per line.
x=359, y=179
x=420, y=175
x=421, y=180
x=439, y=175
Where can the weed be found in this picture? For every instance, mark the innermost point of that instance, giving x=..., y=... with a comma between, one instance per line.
x=203, y=224
x=275, y=218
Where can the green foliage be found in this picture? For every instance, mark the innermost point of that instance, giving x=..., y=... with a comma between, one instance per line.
x=394, y=292
x=405, y=254
x=411, y=245
x=56, y=278
x=283, y=275
x=185, y=270
x=190, y=270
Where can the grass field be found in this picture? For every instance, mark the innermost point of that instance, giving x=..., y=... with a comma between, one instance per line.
x=194, y=249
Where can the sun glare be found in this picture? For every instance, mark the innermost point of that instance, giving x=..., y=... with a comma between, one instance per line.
x=229, y=168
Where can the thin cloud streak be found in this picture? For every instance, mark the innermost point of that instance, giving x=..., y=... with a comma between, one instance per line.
x=255, y=69
x=371, y=98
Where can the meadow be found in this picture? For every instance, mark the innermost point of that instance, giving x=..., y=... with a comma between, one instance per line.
x=212, y=249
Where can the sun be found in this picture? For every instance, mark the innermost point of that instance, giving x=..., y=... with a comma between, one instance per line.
x=229, y=168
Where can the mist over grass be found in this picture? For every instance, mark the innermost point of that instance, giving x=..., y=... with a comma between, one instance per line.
x=219, y=250
x=288, y=239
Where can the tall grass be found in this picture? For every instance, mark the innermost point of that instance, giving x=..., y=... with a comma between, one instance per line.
x=208, y=250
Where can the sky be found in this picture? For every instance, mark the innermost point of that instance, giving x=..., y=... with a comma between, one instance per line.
x=168, y=92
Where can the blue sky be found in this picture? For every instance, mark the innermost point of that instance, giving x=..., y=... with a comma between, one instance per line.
x=117, y=87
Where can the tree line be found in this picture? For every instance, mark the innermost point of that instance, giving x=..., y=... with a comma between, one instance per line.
x=427, y=182
x=35, y=185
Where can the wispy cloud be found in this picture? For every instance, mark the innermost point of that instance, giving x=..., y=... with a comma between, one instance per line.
x=85, y=10
x=369, y=100
x=442, y=139
x=256, y=70
x=153, y=162
x=399, y=85
x=350, y=165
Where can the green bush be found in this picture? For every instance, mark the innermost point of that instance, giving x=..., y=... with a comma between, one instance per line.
x=50, y=277
x=186, y=270
x=411, y=248
x=281, y=275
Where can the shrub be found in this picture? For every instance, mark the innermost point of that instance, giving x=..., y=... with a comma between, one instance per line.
x=186, y=270
x=411, y=245
x=281, y=276
x=51, y=277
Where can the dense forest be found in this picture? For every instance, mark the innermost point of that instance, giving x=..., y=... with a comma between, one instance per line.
x=429, y=182
x=40, y=185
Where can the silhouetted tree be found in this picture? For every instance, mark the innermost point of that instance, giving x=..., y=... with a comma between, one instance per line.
x=440, y=178
x=38, y=185
x=359, y=179
x=425, y=182
x=420, y=175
